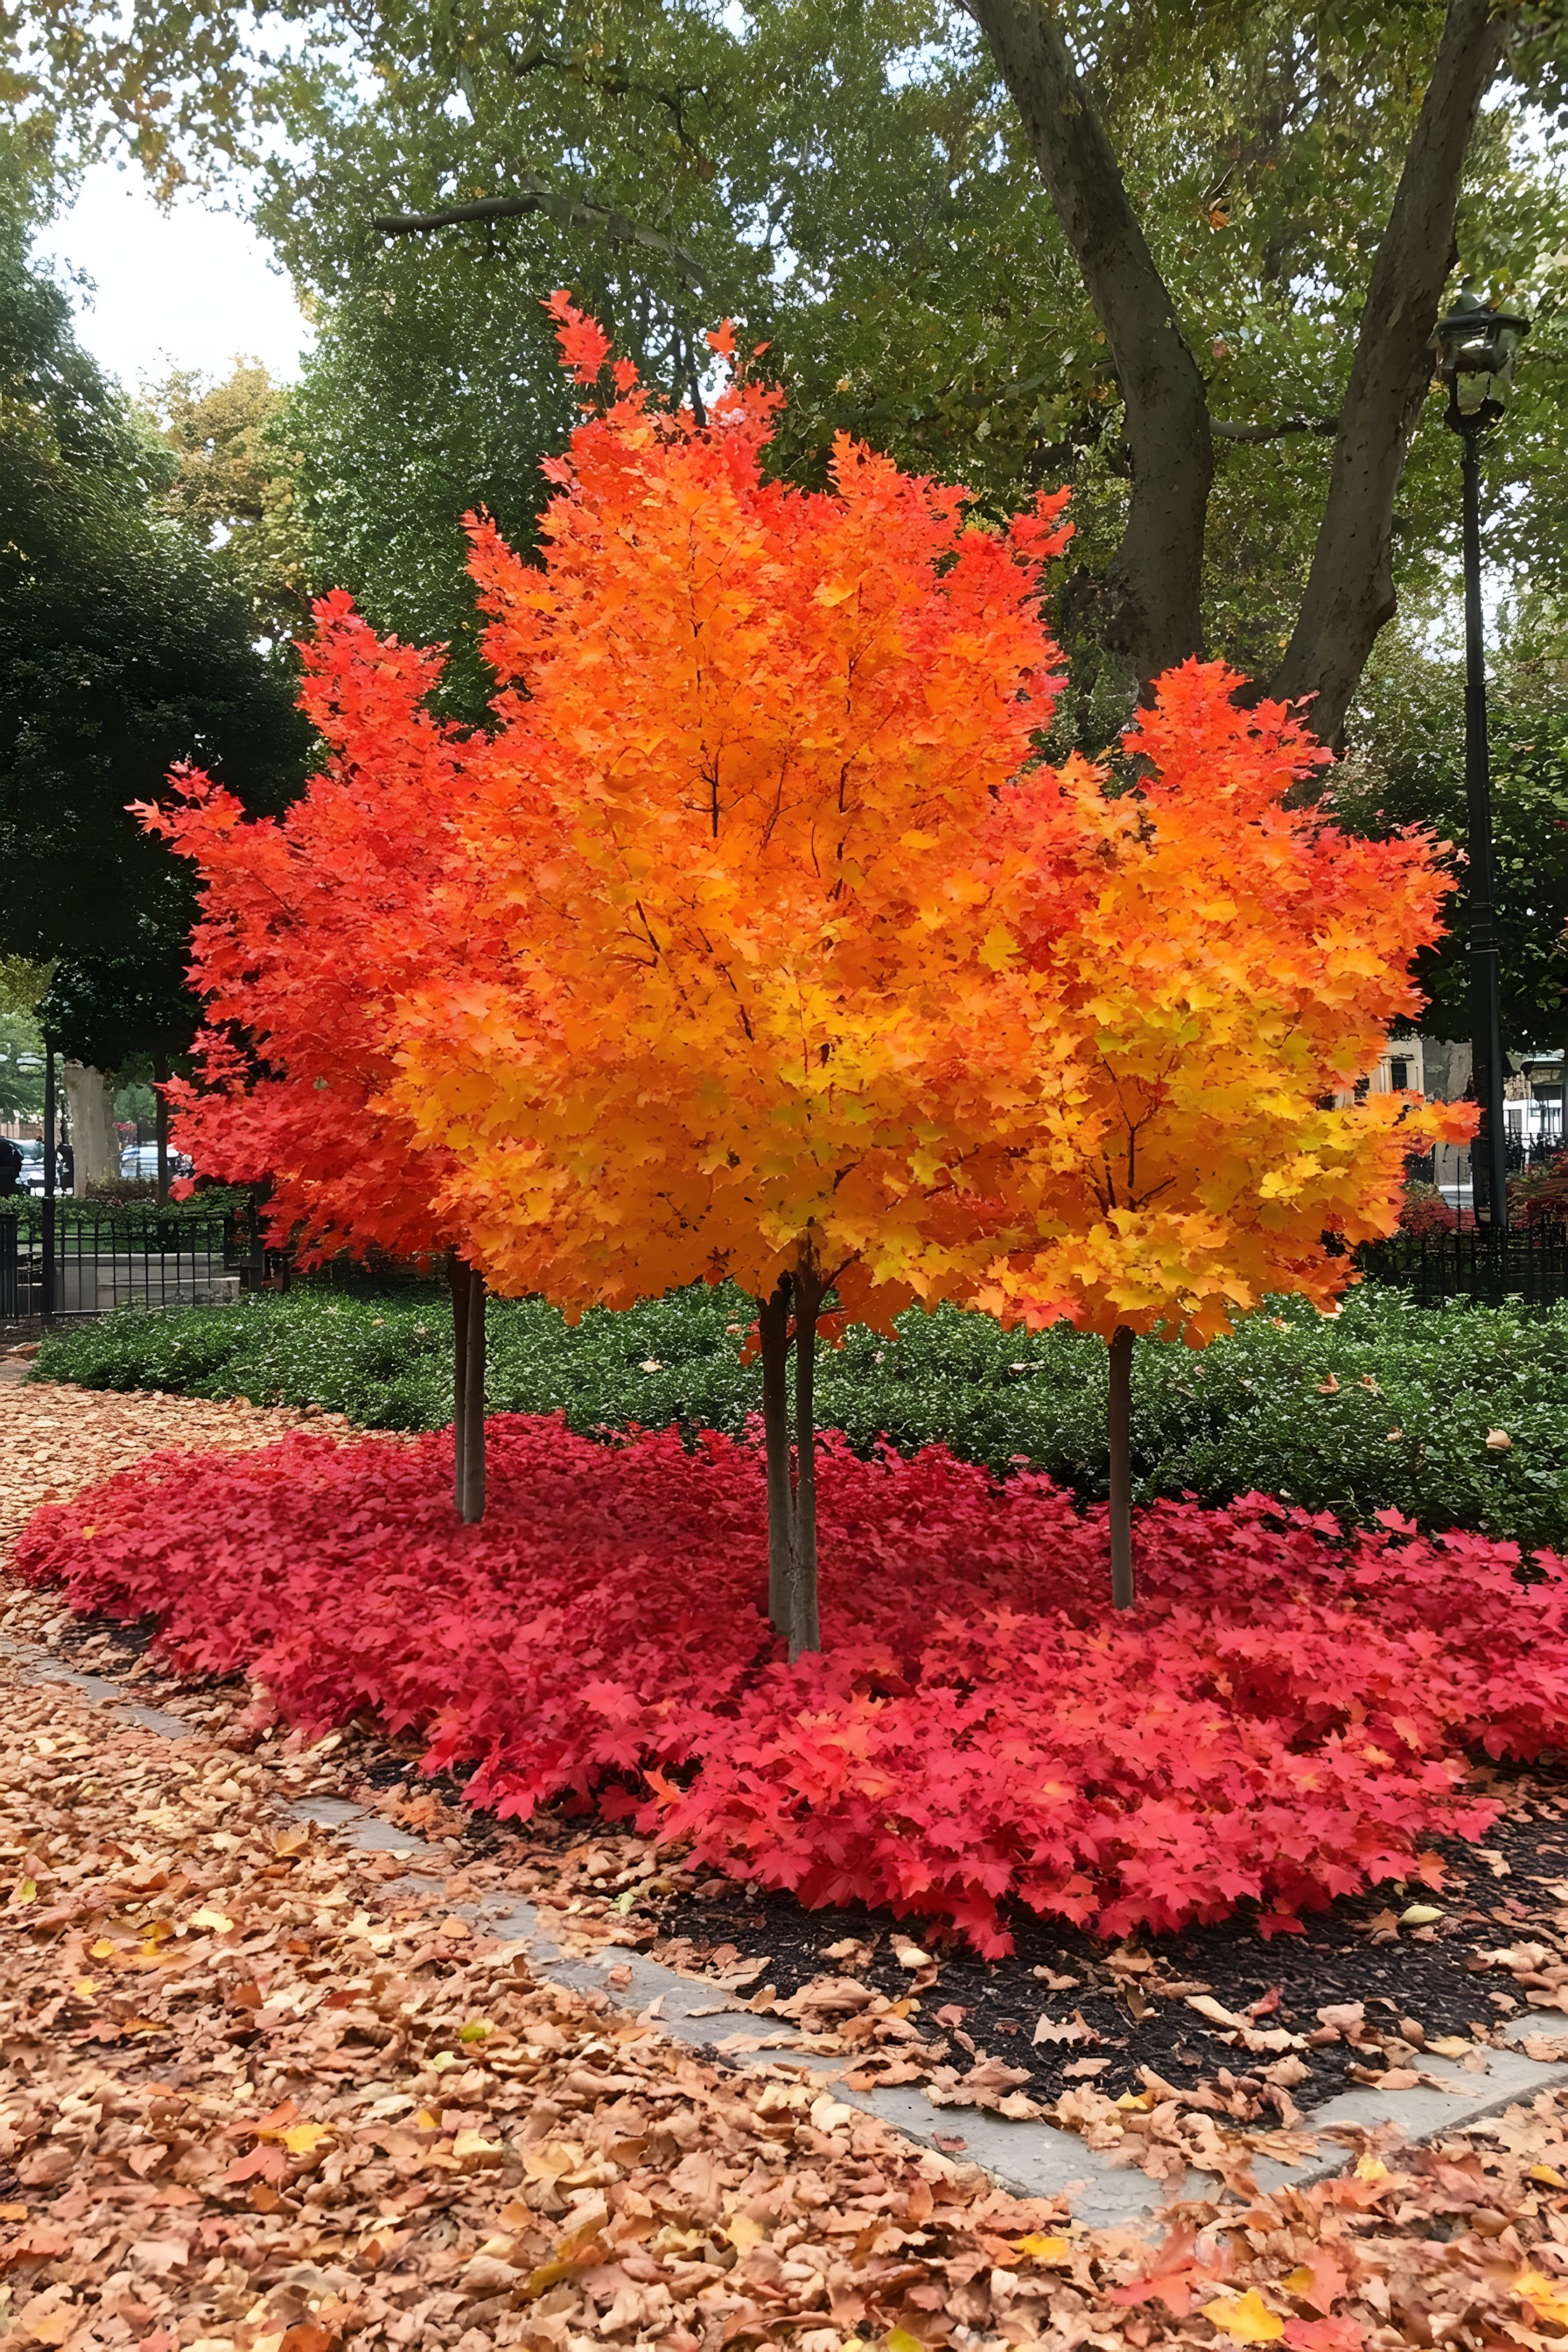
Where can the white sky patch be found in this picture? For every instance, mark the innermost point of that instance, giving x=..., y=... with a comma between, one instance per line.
x=189, y=287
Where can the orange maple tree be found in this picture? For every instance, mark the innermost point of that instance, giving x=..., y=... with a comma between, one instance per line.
x=828, y=980
x=755, y=940
x=729, y=883
x=1216, y=969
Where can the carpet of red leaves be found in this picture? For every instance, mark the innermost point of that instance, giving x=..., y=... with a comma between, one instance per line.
x=1287, y=1716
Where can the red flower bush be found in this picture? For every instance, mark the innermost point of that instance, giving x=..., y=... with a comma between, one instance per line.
x=1286, y=1716
x=1426, y=1214
x=1542, y=1194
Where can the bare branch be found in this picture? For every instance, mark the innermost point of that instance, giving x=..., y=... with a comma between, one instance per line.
x=566, y=211
x=1222, y=432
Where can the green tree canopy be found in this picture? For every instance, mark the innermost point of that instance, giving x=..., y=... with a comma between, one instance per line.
x=21, y=1066
x=234, y=485
x=122, y=650
x=895, y=204
x=1408, y=768
x=435, y=397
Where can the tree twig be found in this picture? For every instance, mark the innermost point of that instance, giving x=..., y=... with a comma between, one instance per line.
x=1277, y=432
x=567, y=211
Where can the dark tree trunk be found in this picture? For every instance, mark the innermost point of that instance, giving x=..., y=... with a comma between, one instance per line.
x=1151, y=601
x=471, y=1498
x=1148, y=608
x=1350, y=589
x=462, y=1288
x=805, y=1632
x=161, y=1116
x=1119, y=1419
x=773, y=1333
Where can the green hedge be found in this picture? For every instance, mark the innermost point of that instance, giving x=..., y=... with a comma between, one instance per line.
x=1249, y=1412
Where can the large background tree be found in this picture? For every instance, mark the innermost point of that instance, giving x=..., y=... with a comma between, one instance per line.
x=235, y=485
x=123, y=648
x=964, y=234
x=1407, y=767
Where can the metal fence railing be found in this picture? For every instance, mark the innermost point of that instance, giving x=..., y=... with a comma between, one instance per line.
x=85, y=1263
x=1527, y=1262
x=1447, y=1165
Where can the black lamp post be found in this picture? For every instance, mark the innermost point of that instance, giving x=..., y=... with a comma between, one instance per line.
x=1476, y=349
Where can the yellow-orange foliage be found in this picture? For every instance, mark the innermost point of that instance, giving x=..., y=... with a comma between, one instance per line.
x=1196, y=969
x=780, y=945
x=728, y=900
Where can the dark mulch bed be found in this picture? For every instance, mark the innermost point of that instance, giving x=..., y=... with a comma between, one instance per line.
x=1355, y=1951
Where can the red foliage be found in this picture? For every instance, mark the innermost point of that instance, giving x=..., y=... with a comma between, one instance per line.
x=1541, y=1195
x=1285, y=1717
x=1426, y=1213
x=312, y=930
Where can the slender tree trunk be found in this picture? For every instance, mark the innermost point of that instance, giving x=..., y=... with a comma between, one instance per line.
x=160, y=1115
x=805, y=1632
x=1121, y=1426
x=1350, y=589
x=773, y=1332
x=471, y=1502
x=462, y=1292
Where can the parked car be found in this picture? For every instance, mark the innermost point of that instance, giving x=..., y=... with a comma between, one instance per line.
x=32, y=1150
x=141, y=1159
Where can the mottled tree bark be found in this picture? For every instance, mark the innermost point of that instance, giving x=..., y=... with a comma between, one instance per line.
x=471, y=1497
x=773, y=1333
x=804, y=1631
x=1148, y=608
x=1150, y=604
x=458, y=1280
x=1350, y=595
x=1120, y=1420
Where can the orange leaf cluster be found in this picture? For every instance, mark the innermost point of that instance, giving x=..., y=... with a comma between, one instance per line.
x=1199, y=969
x=733, y=851
x=755, y=934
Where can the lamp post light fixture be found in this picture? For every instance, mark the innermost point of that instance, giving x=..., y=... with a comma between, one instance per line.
x=1476, y=350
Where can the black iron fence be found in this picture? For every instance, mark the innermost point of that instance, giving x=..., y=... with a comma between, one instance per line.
x=1448, y=1166
x=66, y=1259
x=86, y=1259
x=1527, y=1262
x=64, y=1266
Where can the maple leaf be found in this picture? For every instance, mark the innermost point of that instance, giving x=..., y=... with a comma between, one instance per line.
x=1245, y=2317
x=1321, y=2281
x=1340, y=2335
x=1174, y=2276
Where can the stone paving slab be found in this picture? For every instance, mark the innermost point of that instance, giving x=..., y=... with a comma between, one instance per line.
x=1033, y=2159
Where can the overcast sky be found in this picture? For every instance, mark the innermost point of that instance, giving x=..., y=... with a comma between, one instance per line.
x=191, y=288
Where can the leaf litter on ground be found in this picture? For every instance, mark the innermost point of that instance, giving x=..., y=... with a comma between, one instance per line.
x=266, y=2094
